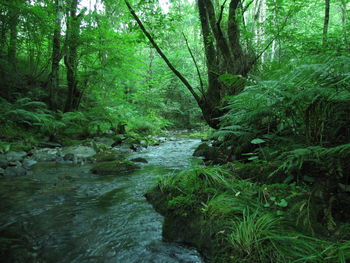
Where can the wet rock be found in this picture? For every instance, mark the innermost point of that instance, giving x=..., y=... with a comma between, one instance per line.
x=139, y=160
x=125, y=149
x=69, y=157
x=108, y=156
x=44, y=154
x=12, y=171
x=80, y=151
x=27, y=163
x=118, y=140
x=114, y=167
x=134, y=147
x=15, y=163
x=3, y=161
x=144, y=143
x=49, y=144
x=104, y=140
x=190, y=229
x=15, y=156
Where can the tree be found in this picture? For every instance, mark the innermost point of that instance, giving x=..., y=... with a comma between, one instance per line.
x=326, y=22
x=71, y=55
x=56, y=56
x=227, y=62
x=13, y=28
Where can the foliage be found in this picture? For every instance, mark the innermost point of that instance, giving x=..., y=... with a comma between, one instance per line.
x=240, y=224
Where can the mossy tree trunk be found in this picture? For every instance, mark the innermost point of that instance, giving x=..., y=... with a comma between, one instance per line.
x=224, y=54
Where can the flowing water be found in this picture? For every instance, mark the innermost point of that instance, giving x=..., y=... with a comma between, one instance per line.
x=63, y=213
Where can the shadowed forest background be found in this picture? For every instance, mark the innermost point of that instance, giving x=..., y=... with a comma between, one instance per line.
x=264, y=83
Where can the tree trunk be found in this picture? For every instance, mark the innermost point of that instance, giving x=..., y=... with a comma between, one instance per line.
x=56, y=57
x=224, y=55
x=71, y=57
x=326, y=22
x=13, y=23
x=3, y=31
x=345, y=20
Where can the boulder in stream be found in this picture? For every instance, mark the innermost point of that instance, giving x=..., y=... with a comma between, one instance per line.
x=13, y=171
x=108, y=156
x=79, y=151
x=15, y=156
x=3, y=161
x=114, y=167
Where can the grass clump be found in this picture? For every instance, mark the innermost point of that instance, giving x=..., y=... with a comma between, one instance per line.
x=234, y=220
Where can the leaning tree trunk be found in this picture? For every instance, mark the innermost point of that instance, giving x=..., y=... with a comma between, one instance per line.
x=224, y=57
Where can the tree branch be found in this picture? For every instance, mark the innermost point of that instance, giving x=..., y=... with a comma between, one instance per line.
x=160, y=52
x=196, y=65
x=271, y=41
x=246, y=7
x=218, y=34
x=221, y=11
x=233, y=31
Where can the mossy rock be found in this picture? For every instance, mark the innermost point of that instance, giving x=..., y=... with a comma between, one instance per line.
x=114, y=167
x=108, y=156
x=188, y=228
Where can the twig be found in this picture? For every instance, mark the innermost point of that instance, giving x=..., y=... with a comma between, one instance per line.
x=222, y=10
x=196, y=65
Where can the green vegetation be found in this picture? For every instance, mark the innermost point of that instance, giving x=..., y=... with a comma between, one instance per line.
x=266, y=81
x=245, y=221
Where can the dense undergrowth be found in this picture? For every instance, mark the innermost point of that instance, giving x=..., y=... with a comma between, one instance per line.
x=244, y=221
x=25, y=123
x=283, y=192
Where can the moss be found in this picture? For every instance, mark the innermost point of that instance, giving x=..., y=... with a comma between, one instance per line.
x=233, y=220
x=114, y=167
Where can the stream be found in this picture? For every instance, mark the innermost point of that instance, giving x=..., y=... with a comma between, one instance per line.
x=64, y=213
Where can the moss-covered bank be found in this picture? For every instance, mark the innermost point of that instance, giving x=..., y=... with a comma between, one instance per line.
x=233, y=220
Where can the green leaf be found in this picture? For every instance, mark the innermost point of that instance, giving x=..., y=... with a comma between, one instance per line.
x=257, y=141
x=280, y=213
x=282, y=203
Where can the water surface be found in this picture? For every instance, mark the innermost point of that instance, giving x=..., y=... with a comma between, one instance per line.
x=63, y=213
